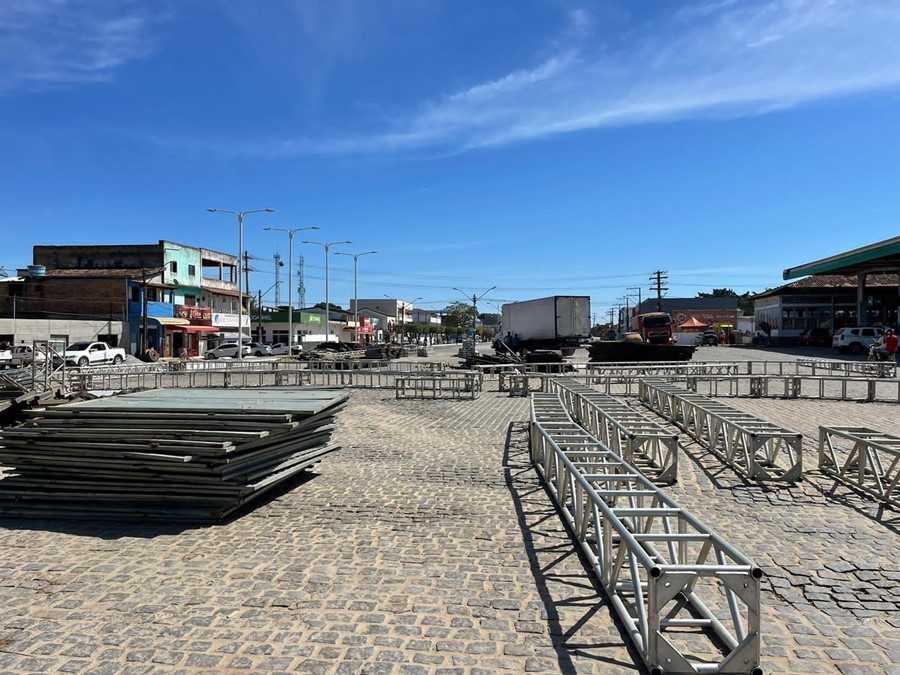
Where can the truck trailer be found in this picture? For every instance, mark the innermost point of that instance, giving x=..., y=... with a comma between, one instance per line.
x=560, y=322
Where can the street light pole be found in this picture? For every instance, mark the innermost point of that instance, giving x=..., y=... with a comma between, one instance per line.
x=475, y=300
x=355, y=291
x=327, y=305
x=290, y=278
x=240, y=216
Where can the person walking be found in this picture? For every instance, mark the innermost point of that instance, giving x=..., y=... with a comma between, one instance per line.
x=889, y=344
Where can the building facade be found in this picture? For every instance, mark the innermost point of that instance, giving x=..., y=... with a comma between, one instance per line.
x=826, y=301
x=173, y=298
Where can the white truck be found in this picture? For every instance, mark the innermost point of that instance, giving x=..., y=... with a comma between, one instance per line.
x=23, y=355
x=560, y=322
x=92, y=354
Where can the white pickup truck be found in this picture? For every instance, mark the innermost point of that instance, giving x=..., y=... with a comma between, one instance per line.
x=92, y=354
x=19, y=356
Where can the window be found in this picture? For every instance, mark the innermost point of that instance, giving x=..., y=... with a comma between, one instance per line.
x=192, y=270
x=135, y=294
x=190, y=300
x=174, y=265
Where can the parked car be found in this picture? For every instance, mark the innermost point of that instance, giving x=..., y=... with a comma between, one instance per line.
x=259, y=349
x=815, y=337
x=5, y=358
x=229, y=350
x=281, y=349
x=92, y=354
x=855, y=340
x=708, y=337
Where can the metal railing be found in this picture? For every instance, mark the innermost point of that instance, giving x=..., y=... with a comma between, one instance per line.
x=833, y=387
x=669, y=577
x=870, y=464
x=759, y=449
x=628, y=432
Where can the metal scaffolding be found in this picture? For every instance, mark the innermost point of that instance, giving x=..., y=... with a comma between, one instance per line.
x=758, y=449
x=870, y=464
x=627, y=432
x=690, y=602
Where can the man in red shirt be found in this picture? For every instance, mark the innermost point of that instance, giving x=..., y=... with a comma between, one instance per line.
x=889, y=344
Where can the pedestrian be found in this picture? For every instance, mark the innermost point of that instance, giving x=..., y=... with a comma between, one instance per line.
x=889, y=344
x=515, y=343
x=507, y=339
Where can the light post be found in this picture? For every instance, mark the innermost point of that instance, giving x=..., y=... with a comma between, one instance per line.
x=290, y=278
x=403, y=323
x=327, y=305
x=355, y=257
x=475, y=300
x=240, y=216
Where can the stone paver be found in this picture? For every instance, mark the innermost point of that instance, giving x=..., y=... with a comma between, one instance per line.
x=427, y=544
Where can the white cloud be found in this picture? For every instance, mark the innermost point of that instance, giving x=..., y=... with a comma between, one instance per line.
x=50, y=43
x=717, y=58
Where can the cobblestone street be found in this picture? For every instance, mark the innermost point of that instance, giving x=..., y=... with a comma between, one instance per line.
x=428, y=544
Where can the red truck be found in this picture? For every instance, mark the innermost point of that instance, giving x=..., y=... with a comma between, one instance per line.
x=654, y=327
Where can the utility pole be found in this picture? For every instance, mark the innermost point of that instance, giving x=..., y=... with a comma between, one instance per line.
x=278, y=265
x=638, y=289
x=259, y=330
x=301, y=286
x=659, y=278
x=143, y=311
x=246, y=257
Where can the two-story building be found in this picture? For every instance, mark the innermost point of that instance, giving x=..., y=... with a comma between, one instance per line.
x=173, y=298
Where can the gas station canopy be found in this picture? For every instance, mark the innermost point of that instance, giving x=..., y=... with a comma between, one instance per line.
x=883, y=256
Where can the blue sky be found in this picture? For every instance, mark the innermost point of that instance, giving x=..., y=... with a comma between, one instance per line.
x=541, y=146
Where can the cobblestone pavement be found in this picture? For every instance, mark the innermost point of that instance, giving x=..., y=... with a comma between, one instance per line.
x=427, y=544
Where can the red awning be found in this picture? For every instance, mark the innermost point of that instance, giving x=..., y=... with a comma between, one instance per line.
x=195, y=329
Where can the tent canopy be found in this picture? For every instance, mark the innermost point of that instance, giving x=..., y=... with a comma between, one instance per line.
x=693, y=324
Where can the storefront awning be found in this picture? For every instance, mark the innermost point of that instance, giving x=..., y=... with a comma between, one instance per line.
x=169, y=321
x=198, y=329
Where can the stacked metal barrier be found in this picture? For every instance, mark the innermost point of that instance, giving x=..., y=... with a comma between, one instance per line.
x=626, y=431
x=870, y=464
x=688, y=599
x=759, y=449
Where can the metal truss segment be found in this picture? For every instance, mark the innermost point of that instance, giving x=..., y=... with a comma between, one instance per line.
x=689, y=600
x=625, y=430
x=756, y=448
x=863, y=458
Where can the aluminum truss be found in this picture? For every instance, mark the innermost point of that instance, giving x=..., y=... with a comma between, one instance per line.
x=760, y=450
x=870, y=464
x=627, y=432
x=690, y=601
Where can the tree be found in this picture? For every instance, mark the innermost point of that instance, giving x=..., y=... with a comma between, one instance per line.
x=745, y=304
x=334, y=307
x=459, y=315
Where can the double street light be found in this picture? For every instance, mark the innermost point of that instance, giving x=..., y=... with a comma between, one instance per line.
x=356, y=257
x=240, y=216
x=290, y=233
x=327, y=305
x=475, y=300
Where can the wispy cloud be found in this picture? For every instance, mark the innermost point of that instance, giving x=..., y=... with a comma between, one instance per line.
x=49, y=43
x=721, y=58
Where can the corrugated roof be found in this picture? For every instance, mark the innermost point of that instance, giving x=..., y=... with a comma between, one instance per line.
x=838, y=282
x=688, y=304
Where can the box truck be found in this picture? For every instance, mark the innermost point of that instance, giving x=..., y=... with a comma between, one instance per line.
x=560, y=322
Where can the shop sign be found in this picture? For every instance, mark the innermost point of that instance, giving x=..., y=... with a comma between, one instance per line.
x=365, y=325
x=194, y=313
x=229, y=320
x=309, y=317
